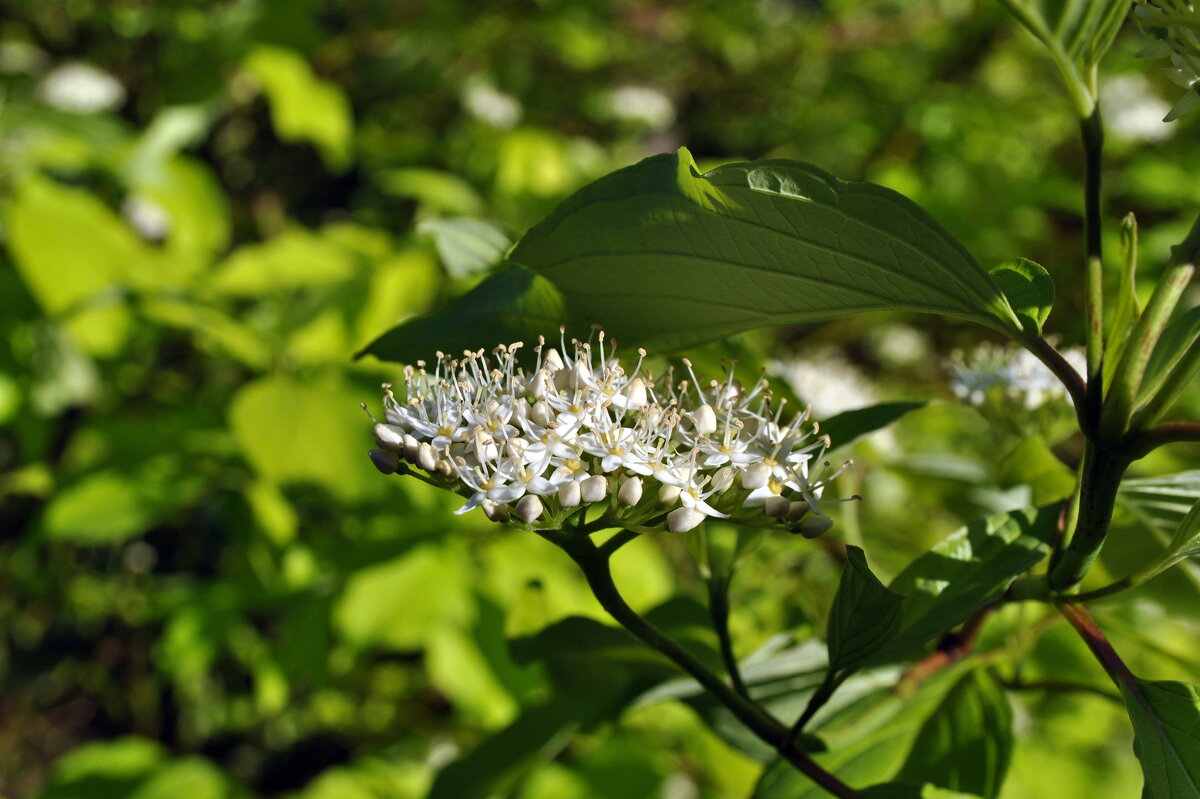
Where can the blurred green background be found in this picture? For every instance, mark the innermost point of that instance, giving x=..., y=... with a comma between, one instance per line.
x=206, y=208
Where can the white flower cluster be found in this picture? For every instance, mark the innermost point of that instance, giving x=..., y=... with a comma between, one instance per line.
x=578, y=430
x=1017, y=373
x=1176, y=23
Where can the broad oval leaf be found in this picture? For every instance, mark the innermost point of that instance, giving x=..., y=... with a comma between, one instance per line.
x=966, y=571
x=1166, y=726
x=662, y=255
x=865, y=615
x=966, y=744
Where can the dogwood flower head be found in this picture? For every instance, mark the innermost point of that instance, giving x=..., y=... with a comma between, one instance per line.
x=578, y=432
x=1176, y=24
x=1014, y=373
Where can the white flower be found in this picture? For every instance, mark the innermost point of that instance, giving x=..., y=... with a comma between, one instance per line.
x=82, y=89
x=1176, y=23
x=1016, y=373
x=827, y=382
x=531, y=447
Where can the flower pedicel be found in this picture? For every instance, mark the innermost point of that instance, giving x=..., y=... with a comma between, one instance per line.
x=534, y=448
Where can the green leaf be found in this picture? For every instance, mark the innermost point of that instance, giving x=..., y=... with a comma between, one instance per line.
x=1161, y=502
x=376, y=607
x=309, y=432
x=848, y=426
x=868, y=740
x=969, y=569
x=441, y=192
x=902, y=790
x=466, y=246
x=304, y=107
x=966, y=743
x=1033, y=463
x=109, y=507
x=659, y=253
x=1029, y=290
x=1126, y=310
x=1166, y=726
x=511, y=749
x=512, y=305
x=296, y=258
x=1177, y=338
x=1077, y=33
x=864, y=617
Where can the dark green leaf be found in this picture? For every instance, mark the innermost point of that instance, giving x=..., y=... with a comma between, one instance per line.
x=510, y=750
x=659, y=253
x=512, y=305
x=868, y=740
x=1029, y=289
x=848, y=426
x=966, y=743
x=1166, y=725
x=966, y=571
x=864, y=617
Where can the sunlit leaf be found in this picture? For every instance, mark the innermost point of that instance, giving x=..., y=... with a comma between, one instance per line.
x=439, y=191
x=1166, y=724
x=466, y=246
x=295, y=258
x=310, y=431
x=1162, y=502
x=966, y=571
x=377, y=606
x=304, y=107
x=1029, y=290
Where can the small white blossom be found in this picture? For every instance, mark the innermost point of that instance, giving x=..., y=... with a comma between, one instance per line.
x=81, y=89
x=1017, y=373
x=531, y=446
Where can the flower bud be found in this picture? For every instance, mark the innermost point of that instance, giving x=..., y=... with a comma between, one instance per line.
x=796, y=511
x=681, y=520
x=390, y=437
x=631, y=491
x=776, y=507
x=668, y=494
x=411, y=445
x=814, y=526
x=553, y=361
x=496, y=513
x=384, y=460
x=755, y=476
x=568, y=494
x=529, y=508
x=594, y=489
x=705, y=420
x=445, y=467
x=540, y=414
x=426, y=457
x=635, y=394
x=722, y=480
